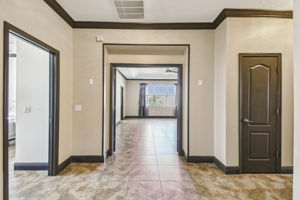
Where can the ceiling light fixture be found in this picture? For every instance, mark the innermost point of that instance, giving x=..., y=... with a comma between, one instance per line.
x=171, y=71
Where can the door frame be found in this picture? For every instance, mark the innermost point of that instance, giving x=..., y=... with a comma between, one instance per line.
x=112, y=117
x=122, y=103
x=279, y=98
x=54, y=92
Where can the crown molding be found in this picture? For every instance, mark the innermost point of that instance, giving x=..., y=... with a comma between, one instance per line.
x=227, y=12
x=243, y=13
x=123, y=25
x=60, y=11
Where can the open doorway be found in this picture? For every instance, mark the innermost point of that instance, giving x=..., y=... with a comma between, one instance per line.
x=31, y=88
x=152, y=110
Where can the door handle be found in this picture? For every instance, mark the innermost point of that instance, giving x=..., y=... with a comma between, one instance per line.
x=245, y=120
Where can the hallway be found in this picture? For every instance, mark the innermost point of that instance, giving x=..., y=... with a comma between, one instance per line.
x=146, y=167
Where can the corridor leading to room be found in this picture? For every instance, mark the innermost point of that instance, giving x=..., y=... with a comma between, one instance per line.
x=147, y=142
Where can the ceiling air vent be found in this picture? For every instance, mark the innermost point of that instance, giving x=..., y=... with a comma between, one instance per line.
x=130, y=9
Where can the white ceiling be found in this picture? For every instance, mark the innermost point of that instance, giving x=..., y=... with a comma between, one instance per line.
x=166, y=10
x=147, y=73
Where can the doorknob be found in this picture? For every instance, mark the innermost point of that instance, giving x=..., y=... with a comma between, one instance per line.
x=245, y=120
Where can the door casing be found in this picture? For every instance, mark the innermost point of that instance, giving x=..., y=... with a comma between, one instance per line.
x=112, y=126
x=53, y=102
x=279, y=96
x=122, y=103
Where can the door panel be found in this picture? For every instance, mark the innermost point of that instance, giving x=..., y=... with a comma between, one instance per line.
x=259, y=119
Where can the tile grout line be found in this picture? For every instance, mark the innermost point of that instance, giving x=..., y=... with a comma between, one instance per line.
x=161, y=189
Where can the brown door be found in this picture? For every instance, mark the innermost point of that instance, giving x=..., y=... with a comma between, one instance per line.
x=260, y=112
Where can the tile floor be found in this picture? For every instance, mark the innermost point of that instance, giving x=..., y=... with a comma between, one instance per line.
x=146, y=167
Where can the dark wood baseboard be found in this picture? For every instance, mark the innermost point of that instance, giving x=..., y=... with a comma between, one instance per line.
x=138, y=117
x=200, y=159
x=64, y=164
x=87, y=159
x=168, y=117
x=79, y=159
x=212, y=159
x=287, y=170
x=226, y=169
x=131, y=117
x=31, y=166
x=181, y=152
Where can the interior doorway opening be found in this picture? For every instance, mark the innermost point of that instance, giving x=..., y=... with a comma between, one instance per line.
x=153, y=105
x=30, y=103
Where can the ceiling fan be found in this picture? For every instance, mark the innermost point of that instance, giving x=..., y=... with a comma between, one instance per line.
x=171, y=71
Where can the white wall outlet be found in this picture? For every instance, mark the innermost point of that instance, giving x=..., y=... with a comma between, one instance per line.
x=91, y=81
x=200, y=82
x=77, y=108
x=27, y=109
x=99, y=38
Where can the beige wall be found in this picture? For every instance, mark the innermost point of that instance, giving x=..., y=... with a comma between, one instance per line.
x=246, y=35
x=88, y=53
x=220, y=92
x=259, y=35
x=38, y=19
x=297, y=100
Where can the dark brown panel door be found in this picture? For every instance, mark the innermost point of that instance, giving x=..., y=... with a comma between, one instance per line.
x=260, y=84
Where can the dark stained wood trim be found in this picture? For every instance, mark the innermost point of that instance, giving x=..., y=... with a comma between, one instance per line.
x=134, y=65
x=64, y=164
x=61, y=12
x=30, y=166
x=157, y=117
x=279, y=119
x=287, y=170
x=113, y=67
x=122, y=74
x=200, y=159
x=128, y=65
x=144, y=26
x=54, y=101
x=188, y=101
x=151, y=79
x=226, y=169
x=227, y=12
x=5, y=112
x=87, y=159
x=79, y=159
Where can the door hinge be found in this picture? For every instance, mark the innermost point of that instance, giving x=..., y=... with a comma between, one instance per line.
x=277, y=154
x=277, y=112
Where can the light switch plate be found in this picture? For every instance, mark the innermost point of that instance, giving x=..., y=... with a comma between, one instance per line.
x=77, y=108
x=200, y=82
x=91, y=81
x=27, y=109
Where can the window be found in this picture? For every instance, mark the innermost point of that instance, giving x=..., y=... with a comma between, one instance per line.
x=160, y=95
